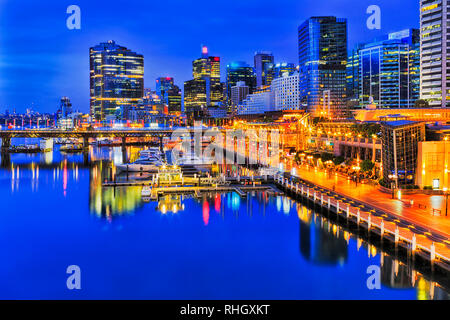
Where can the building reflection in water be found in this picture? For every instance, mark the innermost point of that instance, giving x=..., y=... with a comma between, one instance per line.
x=397, y=275
x=320, y=242
x=110, y=202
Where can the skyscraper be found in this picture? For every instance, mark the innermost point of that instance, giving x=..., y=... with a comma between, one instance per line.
x=205, y=89
x=169, y=93
x=322, y=44
x=434, y=49
x=65, y=107
x=389, y=71
x=238, y=93
x=353, y=76
x=264, y=63
x=240, y=71
x=116, y=80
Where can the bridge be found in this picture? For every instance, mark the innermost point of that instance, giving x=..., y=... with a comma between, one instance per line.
x=7, y=135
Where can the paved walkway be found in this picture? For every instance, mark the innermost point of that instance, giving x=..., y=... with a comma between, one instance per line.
x=374, y=197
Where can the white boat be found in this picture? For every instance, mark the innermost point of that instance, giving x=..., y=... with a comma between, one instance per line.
x=192, y=159
x=141, y=165
x=150, y=153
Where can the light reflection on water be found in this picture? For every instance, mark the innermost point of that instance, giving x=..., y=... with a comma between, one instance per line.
x=319, y=258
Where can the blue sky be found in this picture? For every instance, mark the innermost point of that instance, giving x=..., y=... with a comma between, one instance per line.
x=41, y=60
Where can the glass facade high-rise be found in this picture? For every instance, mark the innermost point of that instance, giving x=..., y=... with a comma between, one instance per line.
x=353, y=75
x=116, y=80
x=65, y=107
x=434, y=51
x=389, y=71
x=322, y=44
x=264, y=64
x=205, y=89
x=169, y=93
x=240, y=71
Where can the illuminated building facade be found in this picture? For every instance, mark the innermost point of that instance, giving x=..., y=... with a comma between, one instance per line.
x=116, y=80
x=433, y=164
x=205, y=89
x=353, y=76
x=65, y=107
x=286, y=92
x=400, y=145
x=434, y=67
x=389, y=71
x=322, y=43
x=238, y=93
x=257, y=103
x=283, y=68
x=169, y=93
x=264, y=64
x=237, y=72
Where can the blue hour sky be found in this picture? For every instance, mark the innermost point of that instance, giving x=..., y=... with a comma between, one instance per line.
x=41, y=60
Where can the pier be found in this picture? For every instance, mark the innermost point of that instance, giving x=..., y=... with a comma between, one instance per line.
x=403, y=234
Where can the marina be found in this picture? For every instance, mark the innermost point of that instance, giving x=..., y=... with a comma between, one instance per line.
x=247, y=204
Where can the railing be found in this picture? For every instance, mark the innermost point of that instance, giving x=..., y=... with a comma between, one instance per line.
x=399, y=234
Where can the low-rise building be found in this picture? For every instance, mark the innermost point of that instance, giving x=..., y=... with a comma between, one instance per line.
x=432, y=165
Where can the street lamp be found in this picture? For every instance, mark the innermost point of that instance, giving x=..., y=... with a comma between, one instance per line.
x=393, y=184
x=446, y=200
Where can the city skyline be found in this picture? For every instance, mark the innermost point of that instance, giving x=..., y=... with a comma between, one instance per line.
x=52, y=61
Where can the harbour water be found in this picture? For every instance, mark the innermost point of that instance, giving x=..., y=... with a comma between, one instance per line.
x=55, y=213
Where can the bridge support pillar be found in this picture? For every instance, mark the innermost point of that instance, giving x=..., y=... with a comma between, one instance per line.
x=124, y=143
x=86, y=143
x=6, y=144
x=161, y=147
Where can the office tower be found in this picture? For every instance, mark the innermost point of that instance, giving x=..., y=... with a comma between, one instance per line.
x=238, y=93
x=116, y=79
x=322, y=43
x=205, y=89
x=169, y=93
x=434, y=48
x=237, y=72
x=400, y=145
x=264, y=64
x=286, y=92
x=283, y=68
x=65, y=107
x=353, y=77
x=389, y=71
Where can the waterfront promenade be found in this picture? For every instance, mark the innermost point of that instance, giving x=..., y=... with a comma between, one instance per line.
x=371, y=195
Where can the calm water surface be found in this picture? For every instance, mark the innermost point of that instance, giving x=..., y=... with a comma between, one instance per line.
x=55, y=213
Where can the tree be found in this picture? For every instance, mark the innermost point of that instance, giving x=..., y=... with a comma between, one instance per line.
x=366, y=129
x=421, y=104
x=367, y=166
x=338, y=160
x=327, y=157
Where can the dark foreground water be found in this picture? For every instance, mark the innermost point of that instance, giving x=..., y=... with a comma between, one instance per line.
x=54, y=213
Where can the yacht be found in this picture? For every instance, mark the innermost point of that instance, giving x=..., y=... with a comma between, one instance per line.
x=150, y=164
x=150, y=153
x=71, y=148
x=192, y=159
